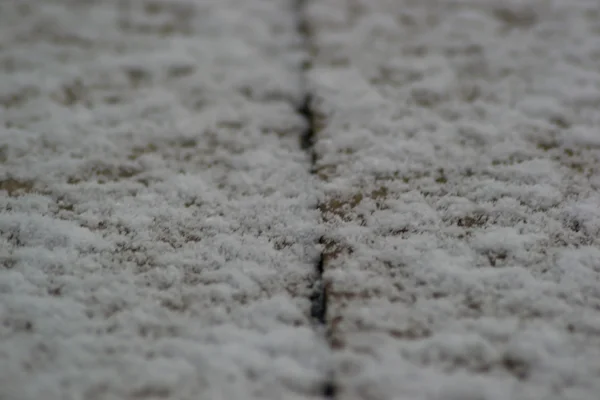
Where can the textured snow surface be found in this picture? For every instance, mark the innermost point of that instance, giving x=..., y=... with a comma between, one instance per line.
x=157, y=227
x=160, y=224
x=460, y=146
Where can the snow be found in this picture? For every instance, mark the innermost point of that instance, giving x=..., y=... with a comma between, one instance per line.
x=157, y=215
x=160, y=226
x=470, y=123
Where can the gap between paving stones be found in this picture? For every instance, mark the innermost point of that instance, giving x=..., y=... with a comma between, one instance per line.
x=319, y=296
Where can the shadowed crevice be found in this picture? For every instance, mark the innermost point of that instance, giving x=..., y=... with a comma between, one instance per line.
x=307, y=142
x=319, y=297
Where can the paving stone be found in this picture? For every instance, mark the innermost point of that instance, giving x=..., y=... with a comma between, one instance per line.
x=158, y=225
x=458, y=150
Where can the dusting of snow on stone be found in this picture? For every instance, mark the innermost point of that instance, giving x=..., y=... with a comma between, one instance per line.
x=459, y=151
x=157, y=218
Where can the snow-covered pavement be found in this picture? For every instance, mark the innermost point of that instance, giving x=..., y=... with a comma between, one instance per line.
x=157, y=232
x=281, y=199
x=460, y=144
